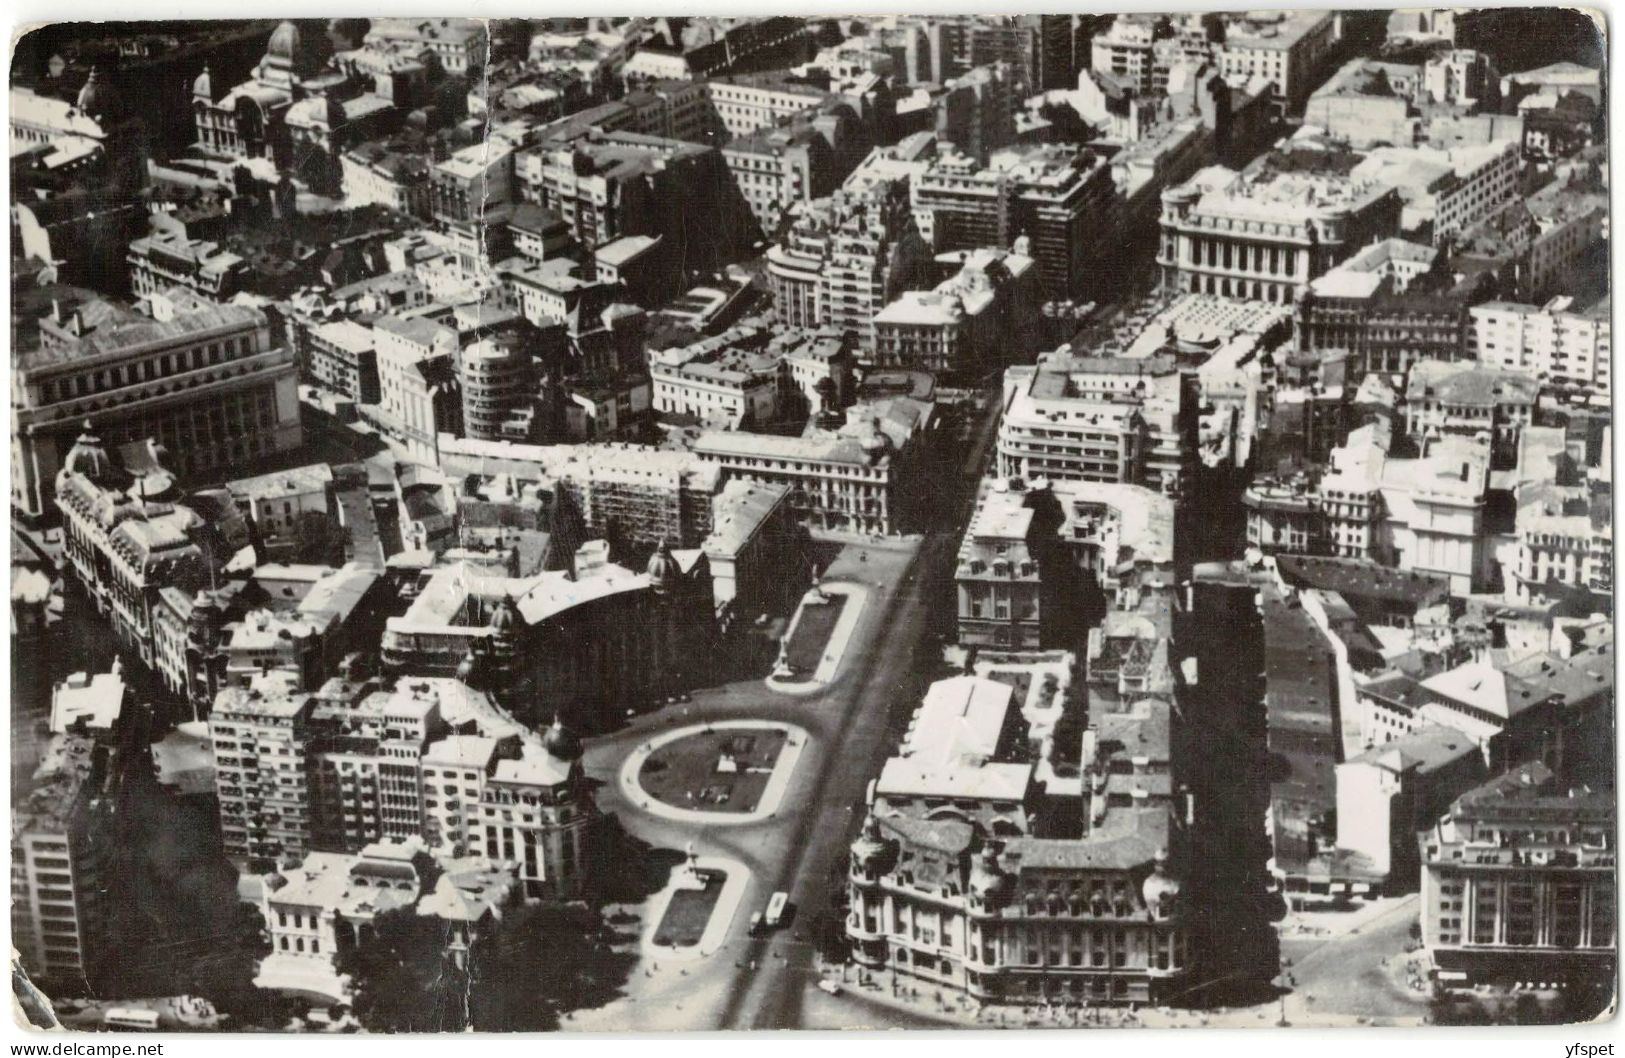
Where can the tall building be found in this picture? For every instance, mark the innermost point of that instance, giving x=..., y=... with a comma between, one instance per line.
x=212, y=386
x=976, y=112
x=1518, y=883
x=1126, y=51
x=61, y=858
x=1038, y=48
x=1058, y=197
x=1286, y=48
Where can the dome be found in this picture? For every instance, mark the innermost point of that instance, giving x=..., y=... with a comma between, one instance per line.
x=561, y=742
x=95, y=98
x=872, y=852
x=284, y=43
x=989, y=882
x=1160, y=889
x=88, y=457
x=663, y=571
x=204, y=85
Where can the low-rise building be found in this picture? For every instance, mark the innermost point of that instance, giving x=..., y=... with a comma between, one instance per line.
x=326, y=905
x=1466, y=399
x=982, y=872
x=1391, y=792
x=275, y=504
x=971, y=321
x=755, y=550
x=1266, y=234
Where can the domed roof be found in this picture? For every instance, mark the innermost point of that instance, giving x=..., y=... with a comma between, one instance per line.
x=663, y=571
x=873, y=851
x=96, y=98
x=561, y=742
x=989, y=882
x=88, y=457
x=284, y=43
x=204, y=85
x=1160, y=889
x=467, y=668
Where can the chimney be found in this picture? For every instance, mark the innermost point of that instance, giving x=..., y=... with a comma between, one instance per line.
x=1464, y=469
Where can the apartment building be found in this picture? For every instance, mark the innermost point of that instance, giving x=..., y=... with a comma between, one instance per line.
x=1059, y=198
x=418, y=385
x=342, y=356
x=1556, y=343
x=1286, y=48
x=1116, y=419
x=61, y=856
x=167, y=259
x=845, y=256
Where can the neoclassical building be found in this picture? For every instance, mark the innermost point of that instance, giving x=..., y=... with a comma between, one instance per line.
x=1264, y=236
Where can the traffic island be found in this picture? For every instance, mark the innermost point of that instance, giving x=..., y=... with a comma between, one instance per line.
x=725, y=773
x=690, y=918
x=713, y=770
x=811, y=651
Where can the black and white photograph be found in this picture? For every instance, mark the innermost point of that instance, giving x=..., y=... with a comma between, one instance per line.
x=623, y=524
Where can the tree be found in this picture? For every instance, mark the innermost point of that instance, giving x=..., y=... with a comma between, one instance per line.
x=540, y=962
x=402, y=978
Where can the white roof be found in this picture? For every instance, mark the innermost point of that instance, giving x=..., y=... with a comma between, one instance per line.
x=98, y=701
x=960, y=720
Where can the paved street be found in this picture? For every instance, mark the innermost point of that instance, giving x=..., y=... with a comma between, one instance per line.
x=1344, y=975
x=847, y=724
x=770, y=982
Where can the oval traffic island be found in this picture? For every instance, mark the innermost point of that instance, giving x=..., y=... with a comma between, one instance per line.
x=727, y=772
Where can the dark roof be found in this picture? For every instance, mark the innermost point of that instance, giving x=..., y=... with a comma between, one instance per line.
x=1358, y=578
